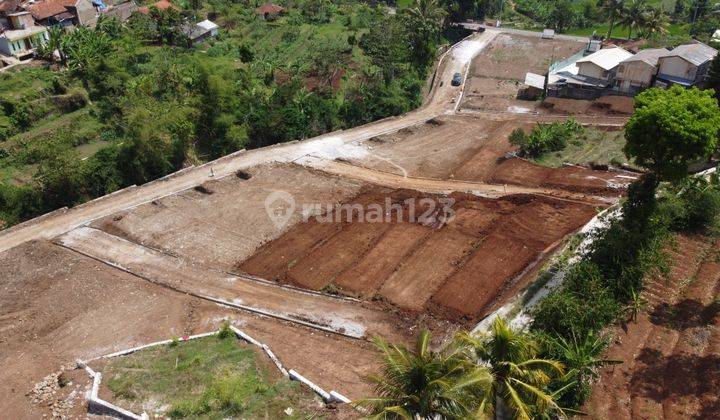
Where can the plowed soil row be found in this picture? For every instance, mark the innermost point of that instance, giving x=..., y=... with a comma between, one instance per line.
x=456, y=269
x=671, y=355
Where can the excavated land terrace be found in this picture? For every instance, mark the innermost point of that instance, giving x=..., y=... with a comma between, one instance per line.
x=459, y=267
x=178, y=256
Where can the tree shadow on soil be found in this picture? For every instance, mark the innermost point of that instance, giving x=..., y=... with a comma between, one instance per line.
x=679, y=375
x=688, y=313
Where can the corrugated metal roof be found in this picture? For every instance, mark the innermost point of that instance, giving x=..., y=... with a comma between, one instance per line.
x=697, y=54
x=535, y=80
x=607, y=58
x=649, y=56
x=207, y=25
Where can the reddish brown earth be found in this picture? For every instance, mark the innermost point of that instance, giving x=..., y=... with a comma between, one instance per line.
x=473, y=149
x=458, y=269
x=605, y=105
x=671, y=355
x=58, y=306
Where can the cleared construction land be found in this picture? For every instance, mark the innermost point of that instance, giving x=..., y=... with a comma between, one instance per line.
x=457, y=269
x=178, y=256
x=495, y=76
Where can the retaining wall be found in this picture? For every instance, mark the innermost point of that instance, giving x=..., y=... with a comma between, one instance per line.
x=98, y=406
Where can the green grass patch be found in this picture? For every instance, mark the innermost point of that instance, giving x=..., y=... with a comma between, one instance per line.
x=591, y=146
x=622, y=32
x=209, y=378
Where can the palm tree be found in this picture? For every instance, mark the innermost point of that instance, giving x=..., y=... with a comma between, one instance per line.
x=424, y=21
x=582, y=361
x=655, y=22
x=634, y=17
x=423, y=384
x=519, y=376
x=613, y=9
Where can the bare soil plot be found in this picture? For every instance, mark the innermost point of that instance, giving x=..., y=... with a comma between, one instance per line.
x=606, y=105
x=473, y=148
x=457, y=269
x=496, y=73
x=671, y=356
x=57, y=305
x=227, y=217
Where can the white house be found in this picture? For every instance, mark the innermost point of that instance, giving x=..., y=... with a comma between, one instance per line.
x=21, y=36
x=686, y=65
x=637, y=72
x=201, y=30
x=601, y=66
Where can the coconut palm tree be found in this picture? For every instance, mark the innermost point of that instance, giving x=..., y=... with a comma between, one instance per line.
x=634, y=17
x=424, y=20
x=613, y=9
x=421, y=383
x=655, y=22
x=519, y=376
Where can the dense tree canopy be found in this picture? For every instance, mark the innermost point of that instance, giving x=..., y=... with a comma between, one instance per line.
x=671, y=128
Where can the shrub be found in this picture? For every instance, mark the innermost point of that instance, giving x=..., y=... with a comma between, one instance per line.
x=225, y=331
x=583, y=306
x=545, y=138
x=691, y=205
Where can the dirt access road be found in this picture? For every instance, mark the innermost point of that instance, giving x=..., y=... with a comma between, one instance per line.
x=441, y=186
x=333, y=314
x=442, y=99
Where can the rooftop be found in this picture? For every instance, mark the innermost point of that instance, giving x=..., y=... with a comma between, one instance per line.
x=696, y=54
x=16, y=34
x=269, y=8
x=160, y=5
x=207, y=25
x=46, y=9
x=607, y=58
x=649, y=56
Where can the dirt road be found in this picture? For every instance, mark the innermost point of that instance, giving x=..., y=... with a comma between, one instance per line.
x=442, y=100
x=442, y=186
x=338, y=315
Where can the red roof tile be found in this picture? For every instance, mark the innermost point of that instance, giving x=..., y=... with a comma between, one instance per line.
x=9, y=6
x=269, y=8
x=46, y=9
x=161, y=5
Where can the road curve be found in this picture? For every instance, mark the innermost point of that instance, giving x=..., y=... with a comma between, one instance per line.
x=441, y=100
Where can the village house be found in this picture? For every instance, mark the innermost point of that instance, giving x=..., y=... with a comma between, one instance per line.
x=160, y=5
x=121, y=11
x=600, y=67
x=685, y=65
x=64, y=12
x=201, y=31
x=638, y=72
x=270, y=11
x=19, y=35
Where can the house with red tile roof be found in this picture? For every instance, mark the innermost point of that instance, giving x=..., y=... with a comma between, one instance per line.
x=64, y=12
x=160, y=5
x=270, y=11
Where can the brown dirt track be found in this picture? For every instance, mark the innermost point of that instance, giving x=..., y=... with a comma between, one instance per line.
x=472, y=148
x=460, y=269
x=671, y=356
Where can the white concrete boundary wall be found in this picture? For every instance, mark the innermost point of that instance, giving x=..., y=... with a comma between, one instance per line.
x=96, y=405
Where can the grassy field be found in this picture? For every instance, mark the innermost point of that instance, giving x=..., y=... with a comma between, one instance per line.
x=621, y=32
x=209, y=378
x=592, y=146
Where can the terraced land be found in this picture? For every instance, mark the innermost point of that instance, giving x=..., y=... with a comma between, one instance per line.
x=671, y=355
